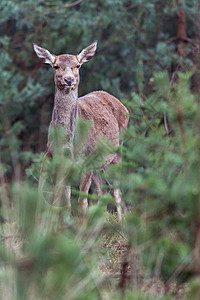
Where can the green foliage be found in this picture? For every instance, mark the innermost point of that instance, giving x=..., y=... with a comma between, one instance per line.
x=163, y=180
x=134, y=39
x=159, y=180
x=50, y=264
x=46, y=253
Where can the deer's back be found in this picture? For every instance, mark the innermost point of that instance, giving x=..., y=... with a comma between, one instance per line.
x=108, y=115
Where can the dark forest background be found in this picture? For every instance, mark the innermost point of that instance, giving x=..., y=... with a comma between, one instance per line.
x=133, y=37
x=148, y=56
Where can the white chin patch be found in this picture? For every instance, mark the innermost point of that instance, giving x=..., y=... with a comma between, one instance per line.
x=68, y=87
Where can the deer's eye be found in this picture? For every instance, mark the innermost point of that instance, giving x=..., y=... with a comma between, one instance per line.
x=78, y=66
x=56, y=67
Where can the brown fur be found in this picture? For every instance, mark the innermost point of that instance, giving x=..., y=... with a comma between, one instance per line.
x=106, y=113
x=108, y=116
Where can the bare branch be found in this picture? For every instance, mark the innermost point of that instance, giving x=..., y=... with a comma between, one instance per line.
x=65, y=5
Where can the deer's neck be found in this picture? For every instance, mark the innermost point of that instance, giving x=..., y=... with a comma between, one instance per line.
x=65, y=111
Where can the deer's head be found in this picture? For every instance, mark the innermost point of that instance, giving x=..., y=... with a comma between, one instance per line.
x=66, y=66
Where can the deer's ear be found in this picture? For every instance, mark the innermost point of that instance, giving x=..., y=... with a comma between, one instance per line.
x=44, y=55
x=87, y=53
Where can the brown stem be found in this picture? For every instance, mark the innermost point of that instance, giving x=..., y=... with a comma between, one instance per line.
x=196, y=250
x=180, y=122
x=123, y=275
x=181, y=32
x=196, y=54
x=196, y=253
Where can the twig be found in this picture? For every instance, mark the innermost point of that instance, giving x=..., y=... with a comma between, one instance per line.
x=121, y=235
x=31, y=173
x=65, y=5
x=73, y=3
x=185, y=39
x=10, y=236
x=166, y=125
x=155, y=145
x=178, y=67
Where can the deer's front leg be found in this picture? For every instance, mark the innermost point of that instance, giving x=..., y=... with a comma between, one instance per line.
x=118, y=201
x=84, y=187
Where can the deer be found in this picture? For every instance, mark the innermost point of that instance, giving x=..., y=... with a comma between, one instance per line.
x=108, y=116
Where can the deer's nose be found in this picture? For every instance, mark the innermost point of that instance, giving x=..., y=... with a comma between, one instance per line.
x=69, y=81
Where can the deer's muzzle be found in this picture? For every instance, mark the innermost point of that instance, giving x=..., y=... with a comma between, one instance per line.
x=69, y=81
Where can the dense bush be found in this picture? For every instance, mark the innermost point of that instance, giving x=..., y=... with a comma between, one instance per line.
x=45, y=252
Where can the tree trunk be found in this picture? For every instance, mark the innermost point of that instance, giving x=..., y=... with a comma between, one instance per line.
x=181, y=32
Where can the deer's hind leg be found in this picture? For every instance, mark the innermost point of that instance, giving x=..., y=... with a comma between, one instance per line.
x=117, y=193
x=118, y=201
x=99, y=183
x=84, y=187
